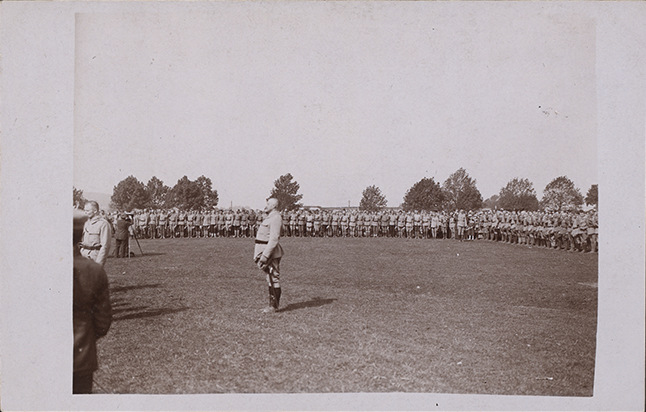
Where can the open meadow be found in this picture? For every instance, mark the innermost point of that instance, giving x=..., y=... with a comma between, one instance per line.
x=357, y=315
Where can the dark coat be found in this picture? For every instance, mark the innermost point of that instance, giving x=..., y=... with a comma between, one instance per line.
x=122, y=229
x=91, y=311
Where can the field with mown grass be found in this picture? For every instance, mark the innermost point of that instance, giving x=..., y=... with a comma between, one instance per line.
x=357, y=315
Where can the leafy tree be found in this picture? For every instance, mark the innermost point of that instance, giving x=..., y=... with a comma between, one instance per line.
x=286, y=191
x=424, y=195
x=460, y=192
x=373, y=200
x=186, y=195
x=210, y=195
x=592, y=197
x=561, y=194
x=492, y=202
x=157, y=192
x=79, y=200
x=519, y=194
x=129, y=194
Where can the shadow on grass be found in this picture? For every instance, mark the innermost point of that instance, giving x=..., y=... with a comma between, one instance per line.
x=312, y=303
x=117, y=289
x=149, y=313
x=125, y=309
x=138, y=254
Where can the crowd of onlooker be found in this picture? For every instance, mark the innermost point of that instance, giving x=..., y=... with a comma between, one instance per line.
x=573, y=231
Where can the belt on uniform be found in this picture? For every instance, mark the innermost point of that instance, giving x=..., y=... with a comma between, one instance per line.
x=90, y=247
x=261, y=242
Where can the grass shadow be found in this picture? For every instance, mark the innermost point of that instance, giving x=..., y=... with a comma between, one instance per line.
x=312, y=303
x=117, y=289
x=149, y=313
x=119, y=309
x=138, y=254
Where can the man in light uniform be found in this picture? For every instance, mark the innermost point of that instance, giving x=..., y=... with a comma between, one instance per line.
x=593, y=230
x=162, y=223
x=97, y=235
x=462, y=223
x=144, y=218
x=181, y=222
x=435, y=222
x=173, y=220
x=268, y=252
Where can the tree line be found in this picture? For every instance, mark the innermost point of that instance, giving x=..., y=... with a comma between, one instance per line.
x=186, y=194
x=458, y=192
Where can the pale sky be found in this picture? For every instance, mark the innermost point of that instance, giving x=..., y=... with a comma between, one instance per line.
x=340, y=95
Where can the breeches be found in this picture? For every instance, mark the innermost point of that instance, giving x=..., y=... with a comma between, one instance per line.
x=273, y=272
x=90, y=254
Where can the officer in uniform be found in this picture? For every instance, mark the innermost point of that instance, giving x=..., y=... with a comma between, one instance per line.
x=190, y=221
x=236, y=223
x=163, y=218
x=385, y=217
x=252, y=224
x=97, y=235
x=228, y=224
x=181, y=222
x=309, y=222
x=244, y=224
x=335, y=224
x=592, y=223
x=301, y=223
x=417, y=224
x=144, y=218
x=173, y=220
x=268, y=252
x=392, y=224
x=353, y=224
x=317, y=223
x=462, y=223
x=91, y=311
x=221, y=223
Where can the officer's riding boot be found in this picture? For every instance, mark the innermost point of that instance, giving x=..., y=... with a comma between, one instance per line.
x=272, y=299
x=272, y=302
x=277, y=292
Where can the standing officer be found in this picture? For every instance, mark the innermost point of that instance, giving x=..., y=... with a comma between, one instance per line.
x=144, y=218
x=173, y=220
x=152, y=224
x=91, y=311
x=462, y=224
x=268, y=252
x=163, y=221
x=97, y=235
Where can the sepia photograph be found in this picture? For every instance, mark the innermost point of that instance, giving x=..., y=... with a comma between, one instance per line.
x=376, y=199
x=431, y=184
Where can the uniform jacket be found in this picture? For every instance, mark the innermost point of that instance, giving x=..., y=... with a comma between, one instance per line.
x=91, y=311
x=97, y=232
x=269, y=231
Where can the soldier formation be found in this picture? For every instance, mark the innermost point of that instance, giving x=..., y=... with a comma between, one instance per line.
x=572, y=231
x=164, y=224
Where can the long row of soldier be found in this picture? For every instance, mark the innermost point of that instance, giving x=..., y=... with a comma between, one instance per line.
x=562, y=230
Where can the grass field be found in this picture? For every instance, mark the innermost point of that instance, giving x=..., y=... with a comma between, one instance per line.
x=357, y=315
